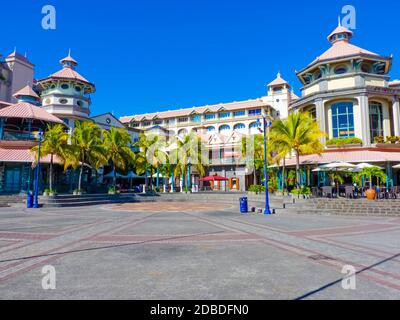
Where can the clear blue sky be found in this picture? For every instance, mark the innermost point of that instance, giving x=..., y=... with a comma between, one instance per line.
x=147, y=56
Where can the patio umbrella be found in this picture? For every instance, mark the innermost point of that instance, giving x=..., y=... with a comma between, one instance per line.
x=214, y=178
x=396, y=167
x=367, y=165
x=337, y=166
x=111, y=175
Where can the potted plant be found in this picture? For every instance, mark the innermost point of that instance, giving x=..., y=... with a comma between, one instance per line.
x=373, y=172
x=52, y=193
x=46, y=192
x=77, y=192
x=111, y=191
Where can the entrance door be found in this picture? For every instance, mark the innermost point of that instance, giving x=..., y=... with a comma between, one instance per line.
x=13, y=180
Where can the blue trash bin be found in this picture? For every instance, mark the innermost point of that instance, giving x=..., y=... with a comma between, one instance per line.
x=244, y=208
x=29, y=200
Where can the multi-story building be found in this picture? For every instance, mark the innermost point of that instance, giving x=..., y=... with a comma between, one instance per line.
x=16, y=71
x=349, y=92
x=222, y=127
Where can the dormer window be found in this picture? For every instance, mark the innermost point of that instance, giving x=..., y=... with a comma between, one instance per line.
x=366, y=67
x=341, y=70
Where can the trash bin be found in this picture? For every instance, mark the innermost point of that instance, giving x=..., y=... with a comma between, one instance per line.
x=244, y=208
x=29, y=200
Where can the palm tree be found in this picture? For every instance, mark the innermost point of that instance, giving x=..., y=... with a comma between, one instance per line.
x=300, y=133
x=86, y=148
x=152, y=154
x=54, y=144
x=117, y=144
x=189, y=147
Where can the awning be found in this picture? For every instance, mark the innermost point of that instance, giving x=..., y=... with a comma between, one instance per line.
x=23, y=155
x=214, y=178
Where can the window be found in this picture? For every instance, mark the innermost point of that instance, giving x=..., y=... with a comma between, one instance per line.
x=63, y=101
x=366, y=67
x=209, y=116
x=238, y=114
x=343, y=120
x=157, y=122
x=180, y=120
x=224, y=128
x=256, y=112
x=341, y=70
x=210, y=129
x=278, y=90
x=78, y=89
x=135, y=125
x=146, y=124
x=224, y=115
x=196, y=118
x=254, y=125
x=239, y=126
x=65, y=86
x=376, y=120
x=80, y=103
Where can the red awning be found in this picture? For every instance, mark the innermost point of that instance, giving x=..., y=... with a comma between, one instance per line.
x=23, y=155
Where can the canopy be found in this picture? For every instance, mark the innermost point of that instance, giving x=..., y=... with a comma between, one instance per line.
x=396, y=167
x=337, y=166
x=367, y=165
x=159, y=175
x=132, y=175
x=214, y=178
x=111, y=175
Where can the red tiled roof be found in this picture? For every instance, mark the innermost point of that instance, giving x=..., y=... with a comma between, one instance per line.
x=68, y=73
x=28, y=111
x=187, y=112
x=278, y=81
x=27, y=91
x=352, y=156
x=340, y=30
x=343, y=49
x=22, y=155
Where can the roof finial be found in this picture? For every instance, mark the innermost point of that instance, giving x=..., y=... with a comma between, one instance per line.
x=279, y=74
x=339, y=21
x=69, y=52
x=15, y=50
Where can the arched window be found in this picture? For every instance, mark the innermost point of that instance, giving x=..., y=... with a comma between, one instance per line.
x=239, y=126
x=376, y=120
x=225, y=127
x=254, y=125
x=182, y=132
x=210, y=129
x=343, y=120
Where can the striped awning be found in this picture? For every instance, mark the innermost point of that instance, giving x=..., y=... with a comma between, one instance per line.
x=23, y=155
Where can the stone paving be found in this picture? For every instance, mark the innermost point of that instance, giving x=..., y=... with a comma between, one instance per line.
x=183, y=250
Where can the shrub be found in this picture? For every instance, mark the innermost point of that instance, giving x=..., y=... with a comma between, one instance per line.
x=257, y=188
x=305, y=191
x=379, y=139
x=344, y=141
x=392, y=139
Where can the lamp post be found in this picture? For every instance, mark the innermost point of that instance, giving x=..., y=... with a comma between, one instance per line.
x=189, y=180
x=37, y=173
x=266, y=124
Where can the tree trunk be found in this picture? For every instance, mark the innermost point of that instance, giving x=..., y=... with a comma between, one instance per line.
x=283, y=176
x=114, y=178
x=254, y=176
x=80, y=174
x=297, y=170
x=51, y=174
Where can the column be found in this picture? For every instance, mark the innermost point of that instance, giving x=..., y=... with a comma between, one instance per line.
x=365, y=123
x=396, y=116
x=320, y=110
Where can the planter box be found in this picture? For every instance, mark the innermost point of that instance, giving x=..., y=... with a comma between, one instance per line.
x=388, y=145
x=345, y=146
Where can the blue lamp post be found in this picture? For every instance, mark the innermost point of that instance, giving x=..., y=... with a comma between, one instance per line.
x=266, y=123
x=37, y=173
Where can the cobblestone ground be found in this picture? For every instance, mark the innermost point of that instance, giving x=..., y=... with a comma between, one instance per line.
x=186, y=250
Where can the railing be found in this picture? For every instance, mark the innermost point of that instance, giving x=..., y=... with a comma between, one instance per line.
x=19, y=136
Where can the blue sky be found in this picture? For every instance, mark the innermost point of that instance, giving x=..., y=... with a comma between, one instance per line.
x=147, y=56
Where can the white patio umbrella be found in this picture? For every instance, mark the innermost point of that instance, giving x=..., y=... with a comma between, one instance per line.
x=367, y=165
x=396, y=166
x=337, y=166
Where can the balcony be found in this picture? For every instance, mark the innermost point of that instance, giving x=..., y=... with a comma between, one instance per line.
x=13, y=138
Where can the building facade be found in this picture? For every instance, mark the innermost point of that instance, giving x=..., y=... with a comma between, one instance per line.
x=349, y=91
x=222, y=128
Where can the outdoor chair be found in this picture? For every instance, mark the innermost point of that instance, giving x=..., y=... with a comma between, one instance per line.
x=327, y=192
x=315, y=192
x=349, y=192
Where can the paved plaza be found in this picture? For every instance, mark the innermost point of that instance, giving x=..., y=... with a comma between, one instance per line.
x=183, y=250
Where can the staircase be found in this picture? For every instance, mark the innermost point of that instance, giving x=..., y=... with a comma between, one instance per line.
x=85, y=200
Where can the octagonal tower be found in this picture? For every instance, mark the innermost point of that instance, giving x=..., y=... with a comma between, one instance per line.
x=66, y=93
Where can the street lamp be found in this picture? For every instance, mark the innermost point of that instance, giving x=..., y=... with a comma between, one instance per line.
x=37, y=173
x=266, y=123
